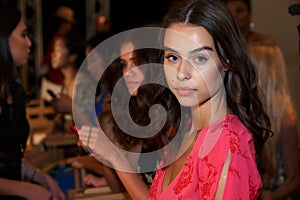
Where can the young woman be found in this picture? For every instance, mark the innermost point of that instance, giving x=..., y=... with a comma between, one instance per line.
x=207, y=67
x=15, y=48
x=281, y=177
x=130, y=93
x=68, y=55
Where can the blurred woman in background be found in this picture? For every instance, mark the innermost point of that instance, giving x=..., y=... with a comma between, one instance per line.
x=281, y=155
x=15, y=48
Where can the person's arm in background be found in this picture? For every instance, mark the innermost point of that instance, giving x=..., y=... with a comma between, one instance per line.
x=27, y=190
x=135, y=186
x=88, y=162
x=92, y=138
x=44, y=179
x=117, y=179
x=62, y=104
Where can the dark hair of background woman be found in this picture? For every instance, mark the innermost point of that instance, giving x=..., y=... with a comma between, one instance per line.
x=9, y=17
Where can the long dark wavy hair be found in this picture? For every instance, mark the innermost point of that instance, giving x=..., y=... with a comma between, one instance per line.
x=147, y=96
x=240, y=82
x=9, y=86
x=139, y=105
x=9, y=17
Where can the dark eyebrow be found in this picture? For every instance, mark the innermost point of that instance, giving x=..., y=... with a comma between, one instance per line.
x=169, y=49
x=202, y=49
x=194, y=51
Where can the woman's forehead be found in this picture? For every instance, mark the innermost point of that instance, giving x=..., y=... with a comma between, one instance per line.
x=127, y=47
x=186, y=37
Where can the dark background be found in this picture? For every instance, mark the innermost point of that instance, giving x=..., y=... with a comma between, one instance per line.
x=124, y=14
x=132, y=13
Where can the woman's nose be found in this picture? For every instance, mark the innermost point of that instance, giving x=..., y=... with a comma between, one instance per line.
x=28, y=41
x=184, y=70
x=129, y=69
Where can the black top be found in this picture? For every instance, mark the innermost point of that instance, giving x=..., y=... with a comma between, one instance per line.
x=14, y=131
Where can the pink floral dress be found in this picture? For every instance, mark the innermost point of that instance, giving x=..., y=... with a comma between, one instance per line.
x=199, y=177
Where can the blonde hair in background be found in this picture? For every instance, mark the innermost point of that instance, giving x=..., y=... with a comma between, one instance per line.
x=273, y=81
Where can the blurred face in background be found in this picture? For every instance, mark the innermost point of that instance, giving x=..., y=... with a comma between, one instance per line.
x=19, y=44
x=240, y=12
x=60, y=55
x=133, y=75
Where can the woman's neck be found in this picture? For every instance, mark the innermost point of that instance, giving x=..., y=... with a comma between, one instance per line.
x=69, y=73
x=210, y=111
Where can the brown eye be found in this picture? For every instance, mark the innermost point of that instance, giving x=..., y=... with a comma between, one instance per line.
x=123, y=64
x=172, y=58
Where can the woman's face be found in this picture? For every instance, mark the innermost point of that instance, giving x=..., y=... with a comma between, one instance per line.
x=19, y=44
x=60, y=55
x=240, y=12
x=133, y=76
x=192, y=67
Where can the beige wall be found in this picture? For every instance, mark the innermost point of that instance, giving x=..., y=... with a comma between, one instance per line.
x=272, y=17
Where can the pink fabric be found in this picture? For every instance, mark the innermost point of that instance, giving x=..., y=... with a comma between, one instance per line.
x=199, y=177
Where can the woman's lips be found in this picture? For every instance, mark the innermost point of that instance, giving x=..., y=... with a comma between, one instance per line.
x=28, y=53
x=132, y=83
x=184, y=91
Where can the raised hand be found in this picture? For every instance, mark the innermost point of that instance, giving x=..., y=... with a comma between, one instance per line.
x=103, y=149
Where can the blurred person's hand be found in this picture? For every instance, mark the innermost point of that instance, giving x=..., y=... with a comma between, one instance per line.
x=96, y=142
x=53, y=187
x=62, y=104
x=43, y=179
x=92, y=180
